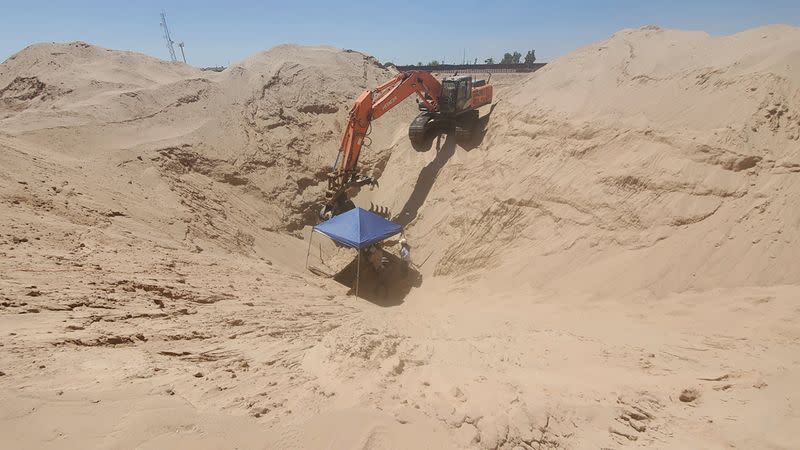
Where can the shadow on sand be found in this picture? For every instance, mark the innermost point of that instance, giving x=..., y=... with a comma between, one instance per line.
x=427, y=176
x=482, y=128
x=386, y=289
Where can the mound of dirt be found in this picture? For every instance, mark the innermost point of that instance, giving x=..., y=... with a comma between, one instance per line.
x=80, y=65
x=259, y=137
x=662, y=160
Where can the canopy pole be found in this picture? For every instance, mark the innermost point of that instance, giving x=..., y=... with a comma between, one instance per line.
x=358, y=270
x=308, y=252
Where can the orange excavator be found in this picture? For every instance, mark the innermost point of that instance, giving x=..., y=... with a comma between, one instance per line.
x=445, y=107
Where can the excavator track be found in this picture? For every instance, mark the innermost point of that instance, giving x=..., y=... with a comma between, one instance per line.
x=418, y=131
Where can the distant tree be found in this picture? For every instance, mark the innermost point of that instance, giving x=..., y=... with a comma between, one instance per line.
x=488, y=61
x=419, y=63
x=389, y=63
x=434, y=63
x=511, y=58
x=530, y=57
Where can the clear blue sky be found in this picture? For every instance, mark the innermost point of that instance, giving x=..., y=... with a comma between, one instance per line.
x=403, y=31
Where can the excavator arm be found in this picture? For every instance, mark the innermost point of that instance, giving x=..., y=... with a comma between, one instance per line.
x=371, y=105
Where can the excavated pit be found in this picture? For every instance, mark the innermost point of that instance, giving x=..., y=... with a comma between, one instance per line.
x=618, y=218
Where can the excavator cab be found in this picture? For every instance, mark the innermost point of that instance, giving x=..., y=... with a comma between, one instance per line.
x=456, y=94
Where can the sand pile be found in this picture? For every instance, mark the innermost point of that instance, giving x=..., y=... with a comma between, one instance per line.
x=77, y=83
x=132, y=190
x=662, y=160
x=153, y=290
x=263, y=133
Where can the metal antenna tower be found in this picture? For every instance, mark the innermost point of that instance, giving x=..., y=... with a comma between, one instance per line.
x=168, y=38
x=183, y=55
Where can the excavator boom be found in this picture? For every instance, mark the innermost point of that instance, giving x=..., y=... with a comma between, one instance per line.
x=462, y=98
x=371, y=105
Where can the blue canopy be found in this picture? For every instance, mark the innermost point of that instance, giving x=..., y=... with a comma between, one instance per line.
x=358, y=228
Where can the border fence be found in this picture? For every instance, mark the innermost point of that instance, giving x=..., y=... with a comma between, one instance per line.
x=469, y=68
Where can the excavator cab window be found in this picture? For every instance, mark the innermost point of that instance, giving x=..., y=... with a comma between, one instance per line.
x=456, y=93
x=447, y=101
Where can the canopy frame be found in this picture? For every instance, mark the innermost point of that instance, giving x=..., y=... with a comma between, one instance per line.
x=358, y=246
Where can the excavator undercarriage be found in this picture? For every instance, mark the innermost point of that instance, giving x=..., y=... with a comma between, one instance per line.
x=427, y=126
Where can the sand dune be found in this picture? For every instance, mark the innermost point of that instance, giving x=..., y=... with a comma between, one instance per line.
x=653, y=147
x=611, y=264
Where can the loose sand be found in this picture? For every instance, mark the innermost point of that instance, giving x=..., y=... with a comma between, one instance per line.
x=612, y=264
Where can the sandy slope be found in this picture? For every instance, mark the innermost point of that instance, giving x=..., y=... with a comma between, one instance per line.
x=612, y=264
x=640, y=148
